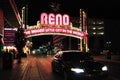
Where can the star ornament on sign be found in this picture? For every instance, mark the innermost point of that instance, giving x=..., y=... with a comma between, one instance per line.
x=55, y=6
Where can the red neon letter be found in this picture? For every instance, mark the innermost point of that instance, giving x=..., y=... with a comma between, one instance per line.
x=51, y=19
x=65, y=20
x=44, y=19
x=58, y=19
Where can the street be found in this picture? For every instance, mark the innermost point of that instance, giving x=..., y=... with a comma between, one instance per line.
x=39, y=68
x=114, y=70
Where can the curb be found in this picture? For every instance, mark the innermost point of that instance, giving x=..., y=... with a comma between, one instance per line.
x=106, y=60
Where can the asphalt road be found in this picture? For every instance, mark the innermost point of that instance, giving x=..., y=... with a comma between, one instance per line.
x=43, y=67
x=114, y=70
x=39, y=68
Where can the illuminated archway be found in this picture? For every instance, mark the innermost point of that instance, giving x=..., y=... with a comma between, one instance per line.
x=76, y=33
x=54, y=31
x=57, y=24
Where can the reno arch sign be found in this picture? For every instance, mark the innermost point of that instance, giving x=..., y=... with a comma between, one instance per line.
x=54, y=19
x=57, y=31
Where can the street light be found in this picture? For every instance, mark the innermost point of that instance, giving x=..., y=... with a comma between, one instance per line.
x=108, y=43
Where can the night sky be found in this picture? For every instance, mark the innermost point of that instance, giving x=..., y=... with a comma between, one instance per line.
x=109, y=10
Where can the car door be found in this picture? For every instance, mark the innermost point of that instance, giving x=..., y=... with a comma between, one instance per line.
x=58, y=63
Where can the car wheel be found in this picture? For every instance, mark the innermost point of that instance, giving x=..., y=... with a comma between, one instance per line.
x=65, y=76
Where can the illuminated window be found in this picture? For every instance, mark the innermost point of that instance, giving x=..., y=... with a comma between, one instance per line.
x=93, y=22
x=101, y=33
x=100, y=27
x=94, y=28
x=94, y=33
x=101, y=22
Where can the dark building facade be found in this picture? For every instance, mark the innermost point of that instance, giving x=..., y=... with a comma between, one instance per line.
x=9, y=18
x=112, y=40
x=96, y=34
x=1, y=22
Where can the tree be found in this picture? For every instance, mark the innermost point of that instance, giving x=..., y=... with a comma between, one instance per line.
x=20, y=41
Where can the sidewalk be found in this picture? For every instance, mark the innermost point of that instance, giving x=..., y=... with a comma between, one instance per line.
x=16, y=72
x=114, y=58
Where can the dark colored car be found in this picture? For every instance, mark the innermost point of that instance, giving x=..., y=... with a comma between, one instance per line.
x=78, y=65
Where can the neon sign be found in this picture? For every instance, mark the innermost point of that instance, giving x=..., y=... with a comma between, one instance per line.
x=59, y=31
x=54, y=20
x=9, y=35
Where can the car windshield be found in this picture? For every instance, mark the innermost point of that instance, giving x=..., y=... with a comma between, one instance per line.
x=72, y=56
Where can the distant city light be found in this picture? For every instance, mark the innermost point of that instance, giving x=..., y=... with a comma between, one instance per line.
x=109, y=42
x=94, y=33
x=94, y=28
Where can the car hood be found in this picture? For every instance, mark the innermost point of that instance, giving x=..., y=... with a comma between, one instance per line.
x=87, y=65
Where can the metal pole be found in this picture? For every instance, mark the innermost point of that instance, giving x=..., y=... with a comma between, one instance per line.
x=81, y=24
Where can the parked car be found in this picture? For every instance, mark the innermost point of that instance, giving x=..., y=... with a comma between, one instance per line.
x=74, y=64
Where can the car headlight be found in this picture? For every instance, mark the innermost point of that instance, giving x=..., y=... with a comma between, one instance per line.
x=104, y=68
x=33, y=51
x=77, y=70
